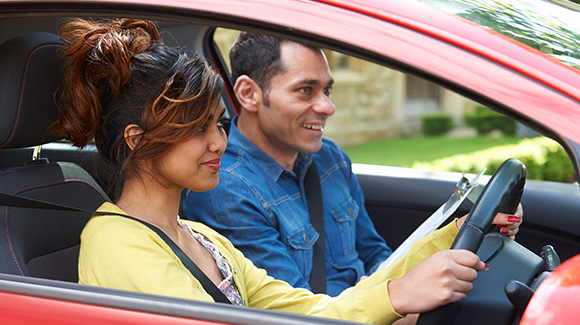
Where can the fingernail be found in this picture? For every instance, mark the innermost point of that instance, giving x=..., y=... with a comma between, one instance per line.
x=504, y=231
x=514, y=219
x=486, y=267
x=501, y=226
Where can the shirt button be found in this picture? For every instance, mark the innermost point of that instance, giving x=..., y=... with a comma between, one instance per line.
x=235, y=271
x=350, y=211
x=305, y=238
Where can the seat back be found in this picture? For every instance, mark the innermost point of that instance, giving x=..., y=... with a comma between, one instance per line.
x=38, y=242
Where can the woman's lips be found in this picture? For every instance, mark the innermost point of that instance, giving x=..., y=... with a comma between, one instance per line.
x=213, y=164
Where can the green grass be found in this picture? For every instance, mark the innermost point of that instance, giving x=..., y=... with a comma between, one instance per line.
x=403, y=152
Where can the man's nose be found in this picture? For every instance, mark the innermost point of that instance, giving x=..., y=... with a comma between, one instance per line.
x=324, y=106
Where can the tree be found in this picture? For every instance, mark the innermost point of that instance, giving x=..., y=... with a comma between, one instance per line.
x=552, y=29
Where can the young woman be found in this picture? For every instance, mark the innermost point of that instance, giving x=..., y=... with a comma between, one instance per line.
x=154, y=111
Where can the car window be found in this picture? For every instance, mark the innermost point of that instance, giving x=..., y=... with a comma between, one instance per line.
x=389, y=118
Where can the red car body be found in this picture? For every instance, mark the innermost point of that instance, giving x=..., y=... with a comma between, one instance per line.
x=461, y=55
x=556, y=300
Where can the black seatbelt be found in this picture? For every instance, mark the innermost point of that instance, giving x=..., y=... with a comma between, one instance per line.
x=207, y=284
x=314, y=199
x=7, y=199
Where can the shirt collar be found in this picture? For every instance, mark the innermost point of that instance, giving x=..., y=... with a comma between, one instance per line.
x=238, y=143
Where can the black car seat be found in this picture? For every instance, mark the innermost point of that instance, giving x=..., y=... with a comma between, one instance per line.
x=38, y=242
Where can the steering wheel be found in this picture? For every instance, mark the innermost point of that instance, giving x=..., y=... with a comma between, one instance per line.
x=501, y=194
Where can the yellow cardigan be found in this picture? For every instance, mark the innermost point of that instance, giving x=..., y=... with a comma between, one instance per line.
x=118, y=252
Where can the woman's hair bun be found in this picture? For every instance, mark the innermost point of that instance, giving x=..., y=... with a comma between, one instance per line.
x=99, y=57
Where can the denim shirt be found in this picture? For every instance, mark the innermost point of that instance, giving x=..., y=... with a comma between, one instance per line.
x=258, y=206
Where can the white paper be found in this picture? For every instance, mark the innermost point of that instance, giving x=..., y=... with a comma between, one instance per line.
x=462, y=191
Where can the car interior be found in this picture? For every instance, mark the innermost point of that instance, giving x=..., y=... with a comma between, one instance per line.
x=48, y=193
x=48, y=189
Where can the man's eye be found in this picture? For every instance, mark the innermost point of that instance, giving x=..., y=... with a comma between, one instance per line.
x=305, y=90
x=327, y=91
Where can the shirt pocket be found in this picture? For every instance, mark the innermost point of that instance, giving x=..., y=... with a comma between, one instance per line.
x=345, y=216
x=300, y=245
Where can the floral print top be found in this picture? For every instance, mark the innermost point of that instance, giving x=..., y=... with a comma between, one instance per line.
x=227, y=286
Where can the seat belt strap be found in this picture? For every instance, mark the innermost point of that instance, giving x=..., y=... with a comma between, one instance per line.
x=313, y=195
x=207, y=284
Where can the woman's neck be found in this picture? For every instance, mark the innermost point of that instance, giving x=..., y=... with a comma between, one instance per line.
x=151, y=202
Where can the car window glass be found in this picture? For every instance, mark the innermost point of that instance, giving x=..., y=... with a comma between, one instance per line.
x=389, y=118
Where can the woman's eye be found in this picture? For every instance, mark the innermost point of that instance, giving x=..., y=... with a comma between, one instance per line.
x=221, y=122
x=202, y=129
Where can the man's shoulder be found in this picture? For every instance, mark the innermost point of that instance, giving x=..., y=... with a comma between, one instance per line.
x=330, y=150
x=239, y=164
x=248, y=164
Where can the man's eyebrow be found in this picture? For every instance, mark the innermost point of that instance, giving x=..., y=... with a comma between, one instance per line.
x=315, y=82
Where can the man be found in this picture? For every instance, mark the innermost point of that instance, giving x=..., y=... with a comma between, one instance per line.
x=283, y=89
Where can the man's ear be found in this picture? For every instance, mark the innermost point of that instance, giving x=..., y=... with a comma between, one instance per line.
x=132, y=135
x=248, y=93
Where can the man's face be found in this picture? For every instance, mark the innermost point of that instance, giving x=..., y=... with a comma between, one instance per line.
x=299, y=104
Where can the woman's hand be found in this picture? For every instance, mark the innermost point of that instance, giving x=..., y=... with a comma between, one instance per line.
x=447, y=275
x=508, y=224
x=444, y=277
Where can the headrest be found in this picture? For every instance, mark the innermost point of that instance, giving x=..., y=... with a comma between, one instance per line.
x=30, y=66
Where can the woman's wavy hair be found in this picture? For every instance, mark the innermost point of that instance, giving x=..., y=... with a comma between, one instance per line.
x=119, y=73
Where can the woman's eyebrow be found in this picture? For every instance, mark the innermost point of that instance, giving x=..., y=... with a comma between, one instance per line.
x=211, y=116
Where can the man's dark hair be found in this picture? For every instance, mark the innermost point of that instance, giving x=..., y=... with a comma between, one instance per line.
x=258, y=57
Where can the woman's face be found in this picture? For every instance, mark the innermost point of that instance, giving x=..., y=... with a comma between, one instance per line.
x=194, y=164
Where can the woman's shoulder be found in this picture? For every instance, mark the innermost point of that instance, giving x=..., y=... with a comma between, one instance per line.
x=108, y=224
x=110, y=215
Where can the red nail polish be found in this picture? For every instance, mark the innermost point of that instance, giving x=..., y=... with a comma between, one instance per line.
x=514, y=219
x=501, y=226
x=486, y=267
x=504, y=231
